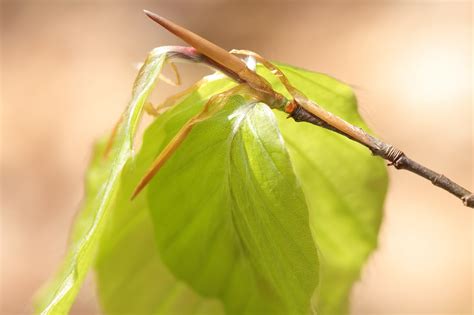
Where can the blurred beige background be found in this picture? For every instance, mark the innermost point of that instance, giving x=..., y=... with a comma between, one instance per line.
x=67, y=69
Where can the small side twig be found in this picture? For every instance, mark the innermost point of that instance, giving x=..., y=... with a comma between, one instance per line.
x=388, y=152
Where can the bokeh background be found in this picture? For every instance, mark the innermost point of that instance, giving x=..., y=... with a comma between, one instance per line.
x=67, y=69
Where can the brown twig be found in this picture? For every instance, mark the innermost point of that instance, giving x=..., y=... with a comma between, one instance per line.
x=302, y=109
x=388, y=152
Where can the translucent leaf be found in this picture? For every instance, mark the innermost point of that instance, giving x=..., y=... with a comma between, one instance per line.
x=103, y=181
x=230, y=217
x=343, y=183
x=334, y=173
x=131, y=276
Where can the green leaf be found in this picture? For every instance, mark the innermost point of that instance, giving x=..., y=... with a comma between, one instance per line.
x=103, y=182
x=324, y=164
x=131, y=276
x=230, y=217
x=343, y=183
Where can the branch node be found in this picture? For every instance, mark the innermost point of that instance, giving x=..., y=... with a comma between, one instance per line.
x=394, y=155
x=437, y=179
x=468, y=200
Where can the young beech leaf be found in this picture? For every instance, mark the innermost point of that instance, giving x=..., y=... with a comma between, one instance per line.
x=230, y=216
x=58, y=296
x=334, y=173
x=131, y=277
x=343, y=183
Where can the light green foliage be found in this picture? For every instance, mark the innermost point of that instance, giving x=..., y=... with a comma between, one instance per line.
x=245, y=217
x=102, y=185
x=230, y=217
x=131, y=276
x=344, y=186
